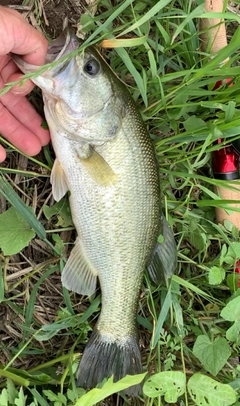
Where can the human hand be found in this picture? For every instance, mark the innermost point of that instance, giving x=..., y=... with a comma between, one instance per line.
x=20, y=124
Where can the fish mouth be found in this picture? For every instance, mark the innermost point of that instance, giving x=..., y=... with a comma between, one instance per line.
x=60, y=47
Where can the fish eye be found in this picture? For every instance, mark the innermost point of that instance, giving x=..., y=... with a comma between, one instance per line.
x=92, y=67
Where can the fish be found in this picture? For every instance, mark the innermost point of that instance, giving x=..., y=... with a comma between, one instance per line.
x=105, y=159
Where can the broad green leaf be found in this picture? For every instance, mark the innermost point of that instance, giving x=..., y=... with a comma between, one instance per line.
x=45, y=335
x=235, y=385
x=232, y=333
x=50, y=395
x=12, y=391
x=231, y=311
x=216, y=275
x=234, y=250
x=196, y=239
x=212, y=354
x=171, y=384
x=15, y=232
x=59, y=244
x=26, y=212
x=87, y=23
x=232, y=281
x=4, y=397
x=193, y=123
x=73, y=395
x=60, y=209
x=223, y=254
x=21, y=399
x=205, y=391
x=38, y=378
x=55, y=397
x=96, y=395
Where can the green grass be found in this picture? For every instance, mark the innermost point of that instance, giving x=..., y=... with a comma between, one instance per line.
x=190, y=327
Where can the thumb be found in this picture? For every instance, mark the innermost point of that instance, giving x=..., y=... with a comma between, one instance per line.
x=21, y=38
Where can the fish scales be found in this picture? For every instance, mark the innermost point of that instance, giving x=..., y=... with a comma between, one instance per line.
x=117, y=224
x=105, y=158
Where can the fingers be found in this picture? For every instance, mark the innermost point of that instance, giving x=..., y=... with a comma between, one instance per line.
x=21, y=38
x=16, y=133
x=21, y=125
x=22, y=90
x=23, y=112
x=2, y=154
x=19, y=122
x=11, y=73
x=19, y=114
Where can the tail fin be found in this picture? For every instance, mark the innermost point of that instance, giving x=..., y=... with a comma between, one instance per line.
x=103, y=358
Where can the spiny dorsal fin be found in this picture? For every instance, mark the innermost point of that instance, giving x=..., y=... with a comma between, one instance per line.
x=98, y=169
x=58, y=181
x=79, y=274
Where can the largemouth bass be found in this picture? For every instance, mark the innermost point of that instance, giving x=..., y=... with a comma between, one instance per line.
x=105, y=158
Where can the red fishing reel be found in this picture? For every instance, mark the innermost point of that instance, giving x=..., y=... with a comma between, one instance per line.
x=225, y=163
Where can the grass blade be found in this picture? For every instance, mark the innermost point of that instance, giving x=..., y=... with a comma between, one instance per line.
x=151, y=13
x=162, y=317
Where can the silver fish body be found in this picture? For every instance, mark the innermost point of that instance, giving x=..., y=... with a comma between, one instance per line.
x=105, y=158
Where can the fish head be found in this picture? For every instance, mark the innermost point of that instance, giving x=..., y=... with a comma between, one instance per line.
x=79, y=89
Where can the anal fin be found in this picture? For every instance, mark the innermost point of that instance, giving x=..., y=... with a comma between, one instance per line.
x=58, y=181
x=79, y=274
x=164, y=258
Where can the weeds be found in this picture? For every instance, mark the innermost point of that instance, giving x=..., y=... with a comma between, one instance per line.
x=189, y=331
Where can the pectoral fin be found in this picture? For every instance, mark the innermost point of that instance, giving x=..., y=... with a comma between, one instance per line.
x=164, y=258
x=79, y=274
x=58, y=181
x=98, y=169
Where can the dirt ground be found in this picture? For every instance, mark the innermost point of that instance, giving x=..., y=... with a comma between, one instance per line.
x=49, y=15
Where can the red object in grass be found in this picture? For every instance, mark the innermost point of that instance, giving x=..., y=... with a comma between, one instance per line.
x=225, y=163
x=220, y=82
x=237, y=269
x=225, y=160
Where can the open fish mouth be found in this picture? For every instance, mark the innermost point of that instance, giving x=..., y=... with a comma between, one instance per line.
x=61, y=46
